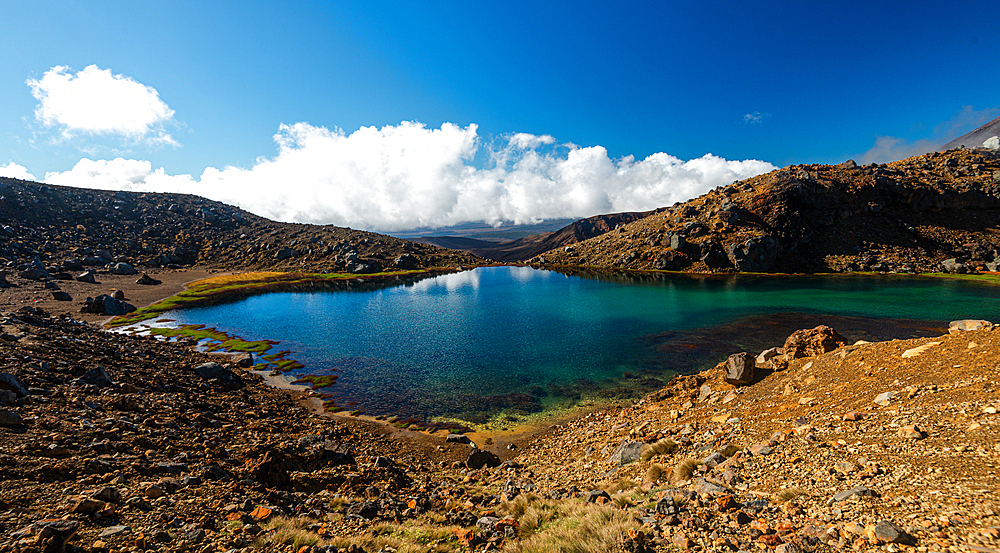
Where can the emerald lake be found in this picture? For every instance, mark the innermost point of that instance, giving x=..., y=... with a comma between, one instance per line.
x=496, y=344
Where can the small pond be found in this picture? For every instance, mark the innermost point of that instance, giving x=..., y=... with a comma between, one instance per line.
x=498, y=344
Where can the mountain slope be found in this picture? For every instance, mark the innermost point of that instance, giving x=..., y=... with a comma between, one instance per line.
x=68, y=228
x=975, y=138
x=530, y=246
x=905, y=216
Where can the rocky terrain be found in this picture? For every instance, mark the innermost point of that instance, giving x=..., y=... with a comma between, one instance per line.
x=932, y=213
x=114, y=442
x=976, y=137
x=71, y=229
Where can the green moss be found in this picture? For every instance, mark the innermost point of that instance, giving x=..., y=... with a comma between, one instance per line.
x=317, y=381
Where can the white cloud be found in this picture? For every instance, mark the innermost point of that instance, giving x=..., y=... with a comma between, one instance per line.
x=408, y=176
x=755, y=118
x=96, y=102
x=892, y=148
x=15, y=171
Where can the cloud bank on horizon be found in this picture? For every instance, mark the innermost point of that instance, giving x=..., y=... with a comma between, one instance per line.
x=397, y=177
x=410, y=176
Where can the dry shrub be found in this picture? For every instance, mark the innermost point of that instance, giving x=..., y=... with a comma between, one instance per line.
x=788, y=494
x=684, y=469
x=666, y=446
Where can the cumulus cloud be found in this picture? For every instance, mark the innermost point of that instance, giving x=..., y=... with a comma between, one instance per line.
x=96, y=102
x=755, y=118
x=409, y=176
x=892, y=148
x=15, y=171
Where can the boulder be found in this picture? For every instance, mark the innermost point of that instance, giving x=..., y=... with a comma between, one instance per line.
x=106, y=305
x=756, y=255
x=60, y=295
x=954, y=266
x=626, y=452
x=97, y=377
x=10, y=382
x=147, y=280
x=739, y=369
x=86, y=276
x=814, y=341
x=714, y=256
x=122, y=268
x=243, y=359
x=954, y=327
x=34, y=273
x=51, y=535
x=284, y=253
x=9, y=417
x=406, y=262
x=888, y=532
x=226, y=378
x=479, y=459
x=457, y=439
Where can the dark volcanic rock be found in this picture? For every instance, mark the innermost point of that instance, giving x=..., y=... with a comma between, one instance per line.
x=216, y=372
x=479, y=458
x=106, y=305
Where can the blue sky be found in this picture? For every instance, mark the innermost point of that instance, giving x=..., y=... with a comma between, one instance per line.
x=447, y=85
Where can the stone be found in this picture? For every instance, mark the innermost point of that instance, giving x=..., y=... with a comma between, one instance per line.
x=860, y=491
x=814, y=341
x=51, y=535
x=153, y=492
x=763, y=359
x=666, y=506
x=60, y=295
x=106, y=305
x=9, y=418
x=884, y=398
x=122, y=268
x=479, y=458
x=911, y=431
x=86, y=276
x=739, y=369
x=109, y=494
x=761, y=449
x=7, y=397
x=457, y=439
x=147, y=280
x=112, y=531
x=243, y=360
x=406, y=262
x=595, y=496
x=888, y=532
x=677, y=242
x=954, y=266
x=97, y=377
x=87, y=506
x=284, y=253
x=224, y=377
x=854, y=416
x=955, y=327
x=11, y=382
x=627, y=452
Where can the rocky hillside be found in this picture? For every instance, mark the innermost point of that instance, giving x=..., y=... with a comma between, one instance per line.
x=975, y=138
x=929, y=213
x=72, y=228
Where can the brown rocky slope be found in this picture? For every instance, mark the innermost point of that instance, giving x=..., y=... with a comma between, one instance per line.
x=929, y=213
x=70, y=229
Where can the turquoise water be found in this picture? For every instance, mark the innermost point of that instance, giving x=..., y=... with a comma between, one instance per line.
x=502, y=342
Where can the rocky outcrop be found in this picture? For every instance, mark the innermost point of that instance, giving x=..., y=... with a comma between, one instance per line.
x=928, y=213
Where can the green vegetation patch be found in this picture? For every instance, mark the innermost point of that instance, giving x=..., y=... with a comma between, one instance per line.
x=222, y=288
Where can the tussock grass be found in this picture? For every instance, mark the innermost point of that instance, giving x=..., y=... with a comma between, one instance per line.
x=654, y=473
x=685, y=469
x=413, y=537
x=788, y=494
x=665, y=446
x=571, y=526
